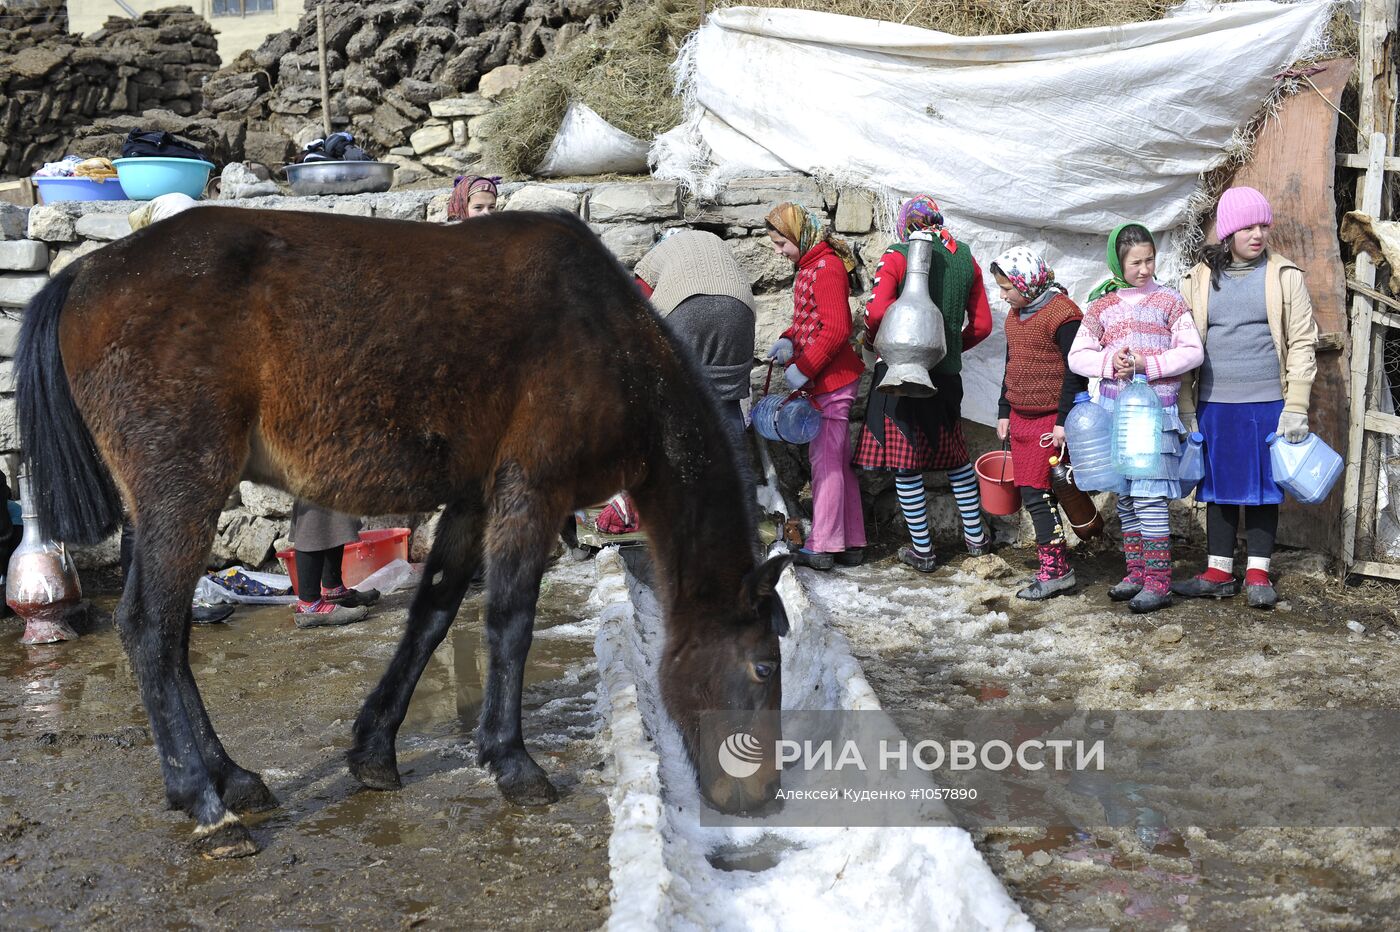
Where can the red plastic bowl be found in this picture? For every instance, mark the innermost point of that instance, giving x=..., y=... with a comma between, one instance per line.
x=375, y=549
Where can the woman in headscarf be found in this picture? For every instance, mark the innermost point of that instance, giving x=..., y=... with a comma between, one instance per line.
x=473, y=196
x=817, y=352
x=911, y=436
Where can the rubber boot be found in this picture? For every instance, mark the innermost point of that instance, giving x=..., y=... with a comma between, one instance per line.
x=1055, y=575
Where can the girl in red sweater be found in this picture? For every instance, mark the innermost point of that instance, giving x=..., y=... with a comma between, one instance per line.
x=817, y=352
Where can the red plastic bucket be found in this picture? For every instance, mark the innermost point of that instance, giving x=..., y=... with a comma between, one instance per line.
x=997, y=479
x=375, y=549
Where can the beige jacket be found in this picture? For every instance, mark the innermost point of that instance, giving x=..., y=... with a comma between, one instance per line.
x=1291, y=324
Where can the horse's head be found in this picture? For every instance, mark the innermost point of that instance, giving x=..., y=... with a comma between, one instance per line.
x=721, y=671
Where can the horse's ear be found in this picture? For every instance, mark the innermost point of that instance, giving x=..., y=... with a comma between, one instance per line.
x=779, y=617
x=761, y=584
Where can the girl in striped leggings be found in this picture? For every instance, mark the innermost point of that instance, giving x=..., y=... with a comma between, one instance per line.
x=1134, y=325
x=911, y=436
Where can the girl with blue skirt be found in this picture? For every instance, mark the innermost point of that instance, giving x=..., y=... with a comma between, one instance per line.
x=1252, y=308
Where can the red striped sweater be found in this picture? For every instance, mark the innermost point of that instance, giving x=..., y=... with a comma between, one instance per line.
x=821, y=322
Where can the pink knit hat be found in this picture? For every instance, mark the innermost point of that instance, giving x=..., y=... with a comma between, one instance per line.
x=1240, y=208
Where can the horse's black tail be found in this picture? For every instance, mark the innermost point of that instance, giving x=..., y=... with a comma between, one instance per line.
x=70, y=487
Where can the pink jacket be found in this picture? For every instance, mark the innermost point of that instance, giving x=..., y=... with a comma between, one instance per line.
x=1159, y=329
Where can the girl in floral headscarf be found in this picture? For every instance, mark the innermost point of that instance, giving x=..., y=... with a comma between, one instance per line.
x=817, y=352
x=911, y=436
x=1037, y=393
x=473, y=196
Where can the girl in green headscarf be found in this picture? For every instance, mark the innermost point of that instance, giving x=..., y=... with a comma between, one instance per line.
x=1135, y=326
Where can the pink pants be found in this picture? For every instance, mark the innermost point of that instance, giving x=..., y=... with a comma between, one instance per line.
x=837, y=521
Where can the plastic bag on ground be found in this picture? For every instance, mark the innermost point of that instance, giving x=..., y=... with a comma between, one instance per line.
x=587, y=144
x=391, y=577
x=206, y=590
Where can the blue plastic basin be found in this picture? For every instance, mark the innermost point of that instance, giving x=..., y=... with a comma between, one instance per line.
x=152, y=176
x=53, y=190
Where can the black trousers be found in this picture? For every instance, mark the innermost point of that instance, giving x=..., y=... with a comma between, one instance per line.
x=1260, y=529
x=1045, y=514
x=317, y=570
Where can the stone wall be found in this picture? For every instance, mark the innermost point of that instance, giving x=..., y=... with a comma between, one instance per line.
x=53, y=84
x=387, y=61
x=628, y=215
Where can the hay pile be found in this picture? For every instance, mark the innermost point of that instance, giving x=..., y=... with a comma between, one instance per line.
x=623, y=70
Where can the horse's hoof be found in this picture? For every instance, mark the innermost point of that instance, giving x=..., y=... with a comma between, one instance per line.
x=376, y=773
x=527, y=787
x=228, y=839
x=245, y=791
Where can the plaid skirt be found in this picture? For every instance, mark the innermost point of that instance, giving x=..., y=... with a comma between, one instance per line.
x=913, y=433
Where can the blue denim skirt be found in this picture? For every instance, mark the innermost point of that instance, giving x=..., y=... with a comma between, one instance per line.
x=1238, y=470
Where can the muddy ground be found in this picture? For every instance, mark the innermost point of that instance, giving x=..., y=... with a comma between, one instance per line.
x=85, y=840
x=958, y=640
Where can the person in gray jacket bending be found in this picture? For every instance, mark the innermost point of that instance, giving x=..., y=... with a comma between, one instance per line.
x=698, y=288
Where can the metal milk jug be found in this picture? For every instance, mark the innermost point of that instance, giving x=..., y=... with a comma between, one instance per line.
x=911, y=339
x=41, y=583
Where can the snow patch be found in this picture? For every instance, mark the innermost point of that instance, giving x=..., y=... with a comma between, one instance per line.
x=663, y=861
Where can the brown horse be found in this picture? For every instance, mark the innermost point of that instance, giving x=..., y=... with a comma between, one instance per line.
x=506, y=367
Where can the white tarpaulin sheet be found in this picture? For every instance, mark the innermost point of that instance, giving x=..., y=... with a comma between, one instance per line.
x=1047, y=139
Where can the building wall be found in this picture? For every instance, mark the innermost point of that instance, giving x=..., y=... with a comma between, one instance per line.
x=237, y=33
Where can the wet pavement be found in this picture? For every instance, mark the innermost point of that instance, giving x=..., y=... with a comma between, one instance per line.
x=85, y=839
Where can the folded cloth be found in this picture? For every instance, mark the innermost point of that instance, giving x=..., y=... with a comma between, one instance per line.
x=63, y=168
x=95, y=169
x=236, y=581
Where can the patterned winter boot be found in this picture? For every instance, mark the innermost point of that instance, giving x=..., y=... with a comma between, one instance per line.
x=1131, y=584
x=1055, y=575
x=1157, y=576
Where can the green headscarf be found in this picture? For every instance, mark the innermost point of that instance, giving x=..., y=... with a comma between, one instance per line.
x=1116, y=280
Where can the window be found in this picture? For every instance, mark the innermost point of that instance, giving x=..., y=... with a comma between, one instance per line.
x=241, y=7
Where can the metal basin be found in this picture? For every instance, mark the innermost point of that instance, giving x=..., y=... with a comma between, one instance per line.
x=311, y=178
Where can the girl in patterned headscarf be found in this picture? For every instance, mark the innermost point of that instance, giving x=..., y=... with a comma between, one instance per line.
x=1037, y=393
x=817, y=352
x=910, y=436
x=472, y=196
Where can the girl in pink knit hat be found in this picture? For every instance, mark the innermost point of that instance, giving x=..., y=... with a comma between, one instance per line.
x=1252, y=309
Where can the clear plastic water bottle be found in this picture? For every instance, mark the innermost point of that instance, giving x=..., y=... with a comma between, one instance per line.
x=1089, y=436
x=1192, y=468
x=1307, y=470
x=1137, y=431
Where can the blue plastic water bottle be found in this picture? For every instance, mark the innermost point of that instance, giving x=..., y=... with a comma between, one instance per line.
x=1089, y=436
x=1307, y=470
x=798, y=421
x=1192, y=468
x=1137, y=431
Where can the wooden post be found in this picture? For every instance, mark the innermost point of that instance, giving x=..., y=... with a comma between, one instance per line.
x=1376, y=75
x=1362, y=352
x=325, y=78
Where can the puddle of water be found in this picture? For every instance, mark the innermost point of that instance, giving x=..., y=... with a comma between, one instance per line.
x=985, y=692
x=761, y=856
x=283, y=700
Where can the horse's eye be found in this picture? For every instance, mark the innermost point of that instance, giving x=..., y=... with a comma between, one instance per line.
x=763, y=670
